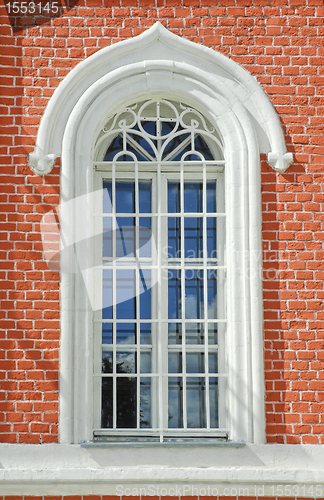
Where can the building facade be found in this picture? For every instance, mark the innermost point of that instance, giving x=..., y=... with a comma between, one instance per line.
x=162, y=249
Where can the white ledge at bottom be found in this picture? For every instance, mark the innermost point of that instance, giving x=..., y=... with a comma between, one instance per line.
x=174, y=471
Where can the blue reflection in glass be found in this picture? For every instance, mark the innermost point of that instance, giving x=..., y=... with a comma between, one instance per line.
x=107, y=333
x=107, y=310
x=145, y=293
x=211, y=197
x=194, y=290
x=125, y=294
x=211, y=237
x=193, y=194
x=125, y=333
x=145, y=197
x=193, y=237
x=107, y=197
x=174, y=294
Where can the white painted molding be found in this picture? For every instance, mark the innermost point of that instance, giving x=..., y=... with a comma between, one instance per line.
x=158, y=45
x=270, y=470
x=280, y=162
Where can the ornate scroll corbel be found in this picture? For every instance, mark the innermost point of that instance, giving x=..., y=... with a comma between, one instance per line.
x=280, y=162
x=40, y=163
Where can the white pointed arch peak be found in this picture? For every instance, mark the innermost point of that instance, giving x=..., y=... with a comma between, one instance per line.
x=158, y=49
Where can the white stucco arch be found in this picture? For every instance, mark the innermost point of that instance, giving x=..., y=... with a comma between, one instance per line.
x=153, y=47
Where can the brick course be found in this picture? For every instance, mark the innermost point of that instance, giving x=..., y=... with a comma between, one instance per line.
x=282, y=46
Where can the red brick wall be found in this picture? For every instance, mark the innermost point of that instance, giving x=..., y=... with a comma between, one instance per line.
x=283, y=46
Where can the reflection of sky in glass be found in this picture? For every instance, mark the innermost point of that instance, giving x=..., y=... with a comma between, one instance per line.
x=194, y=305
x=125, y=333
x=174, y=294
x=126, y=361
x=125, y=287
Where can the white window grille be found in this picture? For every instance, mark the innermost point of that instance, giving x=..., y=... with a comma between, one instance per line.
x=160, y=338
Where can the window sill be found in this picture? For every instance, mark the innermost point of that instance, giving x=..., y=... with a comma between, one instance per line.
x=246, y=470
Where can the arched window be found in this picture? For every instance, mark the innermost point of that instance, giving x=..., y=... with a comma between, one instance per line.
x=161, y=286
x=161, y=331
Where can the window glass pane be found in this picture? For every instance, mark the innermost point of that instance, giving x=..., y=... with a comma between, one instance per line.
x=212, y=293
x=125, y=294
x=175, y=333
x=145, y=362
x=193, y=237
x=173, y=197
x=201, y=147
x=126, y=402
x=107, y=333
x=211, y=196
x=145, y=197
x=107, y=362
x=125, y=237
x=194, y=290
x=125, y=197
x=193, y=192
x=174, y=237
x=196, y=409
x=107, y=197
x=125, y=333
x=145, y=334
x=144, y=237
x=107, y=237
x=194, y=333
x=126, y=362
x=175, y=394
x=195, y=362
x=107, y=403
x=213, y=362
x=174, y=294
x=212, y=334
x=145, y=293
x=211, y=238
x=107, y=301
x=145, y=402
x=213, y=401
x=175, y=362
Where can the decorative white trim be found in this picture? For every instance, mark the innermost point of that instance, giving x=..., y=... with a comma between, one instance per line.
x=253, y=470
x=110, y=94
x=158, y=45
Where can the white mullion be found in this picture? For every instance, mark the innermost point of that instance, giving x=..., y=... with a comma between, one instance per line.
x=183, y=310
x=161, y=403
x=114, y=228
x=137, y=296
x=205, y=294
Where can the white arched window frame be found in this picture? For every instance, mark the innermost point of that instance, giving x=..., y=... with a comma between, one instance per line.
x=159, y=65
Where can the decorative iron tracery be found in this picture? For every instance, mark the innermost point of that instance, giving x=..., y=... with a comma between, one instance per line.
x=159, y=130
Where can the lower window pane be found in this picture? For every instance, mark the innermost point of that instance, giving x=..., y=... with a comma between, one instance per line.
x=107, y=362
x=145, y=402
x=213, y=402
x=107, y=403
x=175, y=395
x=126, y=402
x=196, y=407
